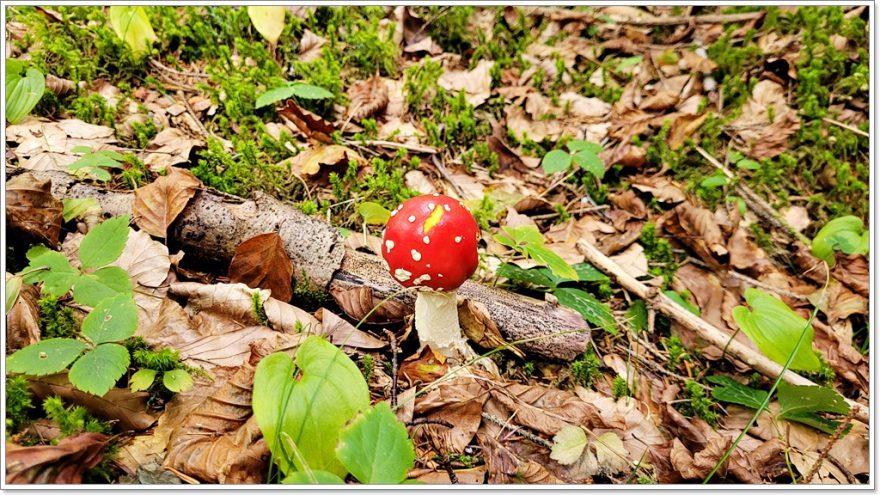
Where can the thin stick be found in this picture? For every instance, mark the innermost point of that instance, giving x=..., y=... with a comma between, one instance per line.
x=417, y=148
x=393, y=339
x=764, y=286
x=448, y=177
x=847, y=127
x=827, y=448
x=701, y=327
x=546, y=216
x=519, y=431
x=562, y=14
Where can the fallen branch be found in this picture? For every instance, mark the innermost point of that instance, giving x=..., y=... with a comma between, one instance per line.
x=556, y=14
x=701, y=327
x=213, y=224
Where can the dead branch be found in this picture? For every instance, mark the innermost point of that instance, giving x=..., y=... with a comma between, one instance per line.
x=705, y=330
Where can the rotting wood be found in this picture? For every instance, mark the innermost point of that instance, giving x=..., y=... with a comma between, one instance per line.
x=662, y=303
x=213, y=225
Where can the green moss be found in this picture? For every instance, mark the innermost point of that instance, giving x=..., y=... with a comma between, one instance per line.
x=247, y=169
x=676, y=350
x=384, y=184
x=367, y=364
x=258, y=310
x=658, y=251
x=619, y=387
x=18, y=403
x=448, y=26
x=73, y=419
x=306, y=297
x=143, y=133
x=56, y=319
x=698, y=404
x=94, y=109
x=585, y=370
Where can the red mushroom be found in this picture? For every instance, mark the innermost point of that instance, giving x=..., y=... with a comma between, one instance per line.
x=430, y=242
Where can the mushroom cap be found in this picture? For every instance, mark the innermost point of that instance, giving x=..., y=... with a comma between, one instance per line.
x=430, y=241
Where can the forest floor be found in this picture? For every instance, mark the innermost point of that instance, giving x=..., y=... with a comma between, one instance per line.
x=717, y=158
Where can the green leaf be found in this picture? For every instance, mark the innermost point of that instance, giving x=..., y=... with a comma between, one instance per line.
x=820, y=423
x=310, y=92
x=568, y=445
x=13, y=288
x=45, y=357
x=103, y=158
x=274, y=95
x=628, y=62
x=589, y=273
x=374, y=213
x=518, y=237
x=104, y=243
x=775, y=329
x=269, y=21
x=24, y=88
x=551, y=260
x=91, y=289
x=81, y=149
x=99, y=369
x=675, y=296
x=132, y=25
x=535, y=277
x=328, y=393
x=320, y=478
x=734, y=392
x=79, y=208
x=576, y=145
x=58, y=275
x=592, y=309
x=713, y=181
x=748, y=164
x=845, y=233
x=142, y=379
x=637, y=315
x=113, y=319
x=556, y=161
x=375, y=447
x=177, y=380
x=590, y=162
x=797, y=399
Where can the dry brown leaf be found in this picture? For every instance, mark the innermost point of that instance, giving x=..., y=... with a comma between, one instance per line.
x=628, y=201
x=424, y=367
x=148, y=265
x=458, y=401
x=797, y=217
x=476, y=83
x=660, y=187
x=418, y=181
x=168, y=148
x=506, y=467
x=126, y=408
x=157, y=205
x=357, y=302
x=853, y=271
x=754, y=128
x=426, y=45
x=746, y=255
x=698, y=229
x=23, y=320
x=479, y=327
x=696, y=62
x=310, y=46
x=64, y=463
x=313, y=126
x=472, y=476
x=262, y=261
x=367, y=98
x=683, y=128
x=32, y=210
x=343, y=333
x=317, y=163
x=46, y=145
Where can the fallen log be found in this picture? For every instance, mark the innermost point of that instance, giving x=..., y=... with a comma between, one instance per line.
x=213, y=224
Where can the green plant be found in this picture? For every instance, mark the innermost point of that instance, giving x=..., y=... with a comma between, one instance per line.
x=528, y=241
x=294, y=89
x=367, y=364
x=698, y=404
x=96, y=360
x=56, y=319
x=73, y=419
x=258, y=309
x=18, y=403
x=581, y=153
x=95, y=163
x=846, y=234
x=676, y=350
x=24, y=88
x=157, y=366
x=619, y=387
x=316, y=417
x=132, y=25
x=585, y=370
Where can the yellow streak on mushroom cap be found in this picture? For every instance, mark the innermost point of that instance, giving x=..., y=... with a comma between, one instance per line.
x=433, y=219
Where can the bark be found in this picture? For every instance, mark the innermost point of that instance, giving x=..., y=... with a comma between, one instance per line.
x=214, y=224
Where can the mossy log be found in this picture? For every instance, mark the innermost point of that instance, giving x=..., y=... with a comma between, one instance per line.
x=213, y=224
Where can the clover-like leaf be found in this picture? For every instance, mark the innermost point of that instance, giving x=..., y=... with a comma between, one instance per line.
x=376, y=448
x=113, y=319
x=90, y=289
x=45, y=357
x=374, y=213
x=556, y=161
x=99, y=369
x=52, y=269
x=177, y=380
x=568, y=445
x=142, y=379
x=104, y=243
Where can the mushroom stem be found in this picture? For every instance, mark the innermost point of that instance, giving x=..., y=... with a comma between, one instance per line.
x=437, y=322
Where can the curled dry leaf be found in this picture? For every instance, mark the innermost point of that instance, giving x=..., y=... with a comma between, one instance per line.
x=32, y=211
x=746, y=255
x=505, y=466
x=766, y=138
x=458, y=401
x=697, y=466
x=357, y=302
x=424, y=367
x=23, y=320
x=148, y=264
x=663, y=189
x=852, y=270
x=310, y=46
x=157, y=205
x=59, y=86
x=47, y=145
x=418, y=181
x=479, y=327
x=343, y=333
x=367, y=98
x=262, y=262
x=697, y=228
x=313, y=126
x=168, y=148
x=64, y=463
x=317, y=163
x=476, y=83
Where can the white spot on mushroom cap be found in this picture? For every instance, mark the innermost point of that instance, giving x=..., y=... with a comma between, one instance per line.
x=412, y=218
x=435, y=194
x=426, y=240
x=440, y=275
x=447, y=208
x=394, y=212
x=402, y=275
x=421, y=278
x=457, y=239
x=389, y=245
x=416, y=256
x=431, y=205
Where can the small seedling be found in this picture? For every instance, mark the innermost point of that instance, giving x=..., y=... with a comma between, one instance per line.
x=95, y=163
x=293, y=89
x=584, y=154
x=24, y=89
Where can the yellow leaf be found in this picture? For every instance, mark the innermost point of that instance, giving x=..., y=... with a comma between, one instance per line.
x=133, y=27
x=269, y=21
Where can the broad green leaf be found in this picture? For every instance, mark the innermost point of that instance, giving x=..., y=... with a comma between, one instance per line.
x=312, y=409
x=91, y=289
x=310, y=92
x=748, y=164
x=13, y=288
x=820, y=423
x=535, y=276
x=57, y=276
x=637, y=315
x=376, y=448
x=45, y=357
x=775, y=329
x=551, y=260
x=274, y=95
x=713, y=181
x=592, y=309
x=104, y=243
x=320, y=478
x=24, y=88
x=81, y=149
x=142, y=379
x=556, y=161
x=99, y=369
x=610, y=452
x=576, y=145
x=518, y=237
x=628, y=62
x=132, y=25
x=734, y=156
x=684, y=303
x=177, y=380
x=734, y=392
x=589, y=273
x=112, y=320
x=79, y=208
x=374, y=213
x=797, y=399
x=102, y=158
x=568, y=445
x=590, y=162
x=845, y=233
x=269, y=21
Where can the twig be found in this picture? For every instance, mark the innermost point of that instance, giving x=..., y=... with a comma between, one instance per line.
x=393, y=339
x=545, y=216
x=192, y=114
x=846, y=126
x=764, y=286
x=391, y=144
x=448, y=177
x=827, y=448
x=519, y=431
x=701, y=327
x=447, y=466
x=428, y=421
x=698, y=19
x=159, y=65
x=559, y=181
